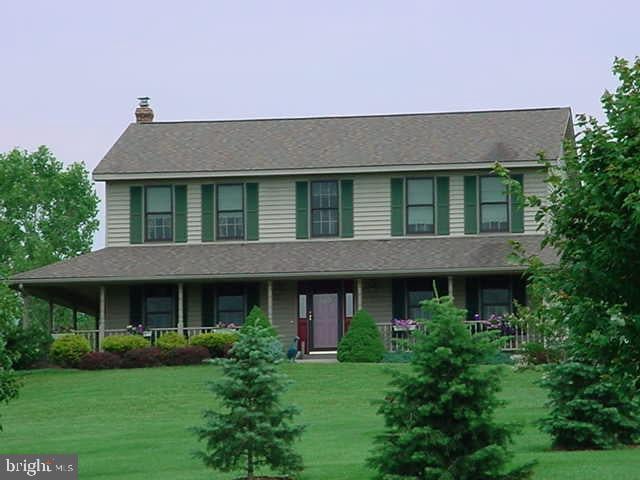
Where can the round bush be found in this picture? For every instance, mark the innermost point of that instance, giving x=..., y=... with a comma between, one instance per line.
x=362, y=343
x=100, y=361
x=191, y=355
x=218, y=344
x=121, y=344
x=67, y=351
x=171, y=340
x=144, y=357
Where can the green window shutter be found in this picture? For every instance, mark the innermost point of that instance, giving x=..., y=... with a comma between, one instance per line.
x=398, y=304
x=253, y=296
x=302, y=209
x=471, y=297
x=471, y=204
x=207, y=306
x=135, y=215
x=442, y=186
x=517, y=209
x=252, y=211
x=397, y=206
x=135, y=305
x=180, y=215
x=346, y=208
x=207, y=204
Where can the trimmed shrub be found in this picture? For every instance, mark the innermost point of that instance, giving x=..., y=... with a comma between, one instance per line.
x=99, y=361
x=28, y=346
x=121, y=344
x=171, y=340
x=67, y=351
x=257, y=318
x=218, y=344
x=191, y=355
x=362, y=343
x=144, y=357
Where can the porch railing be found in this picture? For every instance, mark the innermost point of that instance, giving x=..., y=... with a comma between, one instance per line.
x=153, y=334
x=514, y=337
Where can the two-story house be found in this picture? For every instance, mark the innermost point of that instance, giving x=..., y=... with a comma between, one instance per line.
x=310, y=218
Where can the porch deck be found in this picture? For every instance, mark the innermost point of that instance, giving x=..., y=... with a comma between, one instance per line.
x=394, y=341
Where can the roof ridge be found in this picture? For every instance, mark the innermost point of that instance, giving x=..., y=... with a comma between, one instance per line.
x=352, y=116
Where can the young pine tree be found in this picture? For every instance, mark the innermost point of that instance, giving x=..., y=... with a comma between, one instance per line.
x=252, y=429
x=439, y=417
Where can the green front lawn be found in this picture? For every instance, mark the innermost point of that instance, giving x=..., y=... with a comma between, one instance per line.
x=132, y=424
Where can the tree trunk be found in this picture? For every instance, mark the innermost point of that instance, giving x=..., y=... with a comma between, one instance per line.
x=250, y=465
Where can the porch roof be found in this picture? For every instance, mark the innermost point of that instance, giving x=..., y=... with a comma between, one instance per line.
x=301, y=259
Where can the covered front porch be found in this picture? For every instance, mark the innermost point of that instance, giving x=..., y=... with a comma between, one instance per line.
x=318, y=311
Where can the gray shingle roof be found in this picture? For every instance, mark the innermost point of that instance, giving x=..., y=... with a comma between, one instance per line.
x=385, y=140
x=433, y=255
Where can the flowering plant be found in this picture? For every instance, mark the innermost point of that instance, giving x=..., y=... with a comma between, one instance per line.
x=404, y=324
x=135, y=329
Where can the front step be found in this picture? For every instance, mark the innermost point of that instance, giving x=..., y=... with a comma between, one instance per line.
x=320, y=357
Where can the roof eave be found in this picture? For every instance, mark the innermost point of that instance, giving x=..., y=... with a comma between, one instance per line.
x=458, y=166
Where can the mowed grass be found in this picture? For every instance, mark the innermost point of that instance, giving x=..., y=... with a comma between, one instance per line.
x=133, y=424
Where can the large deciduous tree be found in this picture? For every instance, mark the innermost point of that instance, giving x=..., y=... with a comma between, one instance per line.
x=48, y=212
x=592, y=217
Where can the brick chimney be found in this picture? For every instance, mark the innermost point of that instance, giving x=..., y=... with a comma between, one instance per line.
x=144, y=114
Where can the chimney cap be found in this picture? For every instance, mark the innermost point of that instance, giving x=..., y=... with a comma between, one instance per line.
x=143, y=101
x=144, y=113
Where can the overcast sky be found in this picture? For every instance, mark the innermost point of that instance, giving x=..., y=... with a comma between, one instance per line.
x=71, y=71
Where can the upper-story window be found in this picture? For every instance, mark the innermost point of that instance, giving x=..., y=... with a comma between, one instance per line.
x=494, y=205
x=324, y=208
x=420, y=205
x=230, y=214
x=158, y=213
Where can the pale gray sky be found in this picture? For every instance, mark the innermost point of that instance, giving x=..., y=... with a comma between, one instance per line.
x=71, y=71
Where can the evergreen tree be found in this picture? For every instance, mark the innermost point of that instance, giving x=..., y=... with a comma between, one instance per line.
x=257, y=318
x=439, y=417
x=8, y=381
x=362, y=342
x=253, y=429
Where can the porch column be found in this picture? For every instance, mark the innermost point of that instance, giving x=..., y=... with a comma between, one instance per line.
x=450, y=287
x=101, y=317
x=270, y=300
x=181, y=308
x=359, y=294
x=26, y=305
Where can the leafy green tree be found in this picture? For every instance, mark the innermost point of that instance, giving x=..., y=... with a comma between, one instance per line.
x=48, y=213
x=8, y=380
x=439, y=421
x=362, y=342
x=590, y=299
x=253, y=429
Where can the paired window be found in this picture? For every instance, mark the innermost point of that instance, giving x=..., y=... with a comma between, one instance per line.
x=158, y=213
x=324, y=208
x=420, y=205
x=414, y=300
x=230, y=212
x=159, y=306
x=230, y=305
x=494, y=205
x=496, y=301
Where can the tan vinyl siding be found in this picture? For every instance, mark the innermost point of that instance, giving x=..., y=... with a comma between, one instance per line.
x=459, y=292
x=277, y=209
x=371, y=206
x=534, y=184
x=376, y=299
x=277, y=206
x=456, y=205
x=117, y=307
x=117, y=214
x=194, y=209
x=285, y=309
x=194, y=304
